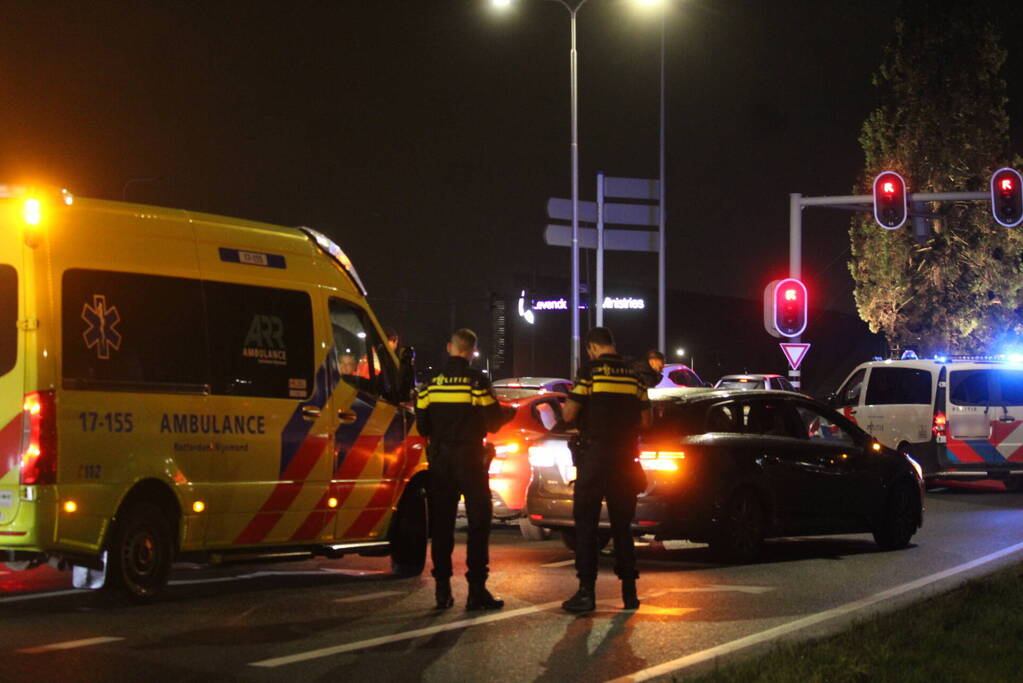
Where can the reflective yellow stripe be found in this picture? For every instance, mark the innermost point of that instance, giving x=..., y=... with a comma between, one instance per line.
x=613, y=388
x=485, y=400
x=423, y=401
x=451, y=397
x=580, y=390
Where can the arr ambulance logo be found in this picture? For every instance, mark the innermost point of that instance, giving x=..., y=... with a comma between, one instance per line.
x=102, y=332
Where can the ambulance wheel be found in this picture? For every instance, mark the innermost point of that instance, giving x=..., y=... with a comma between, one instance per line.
x=140, y=552
x=899, y=520
x=409, y=532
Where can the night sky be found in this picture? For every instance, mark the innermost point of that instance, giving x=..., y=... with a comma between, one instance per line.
x=426, y=136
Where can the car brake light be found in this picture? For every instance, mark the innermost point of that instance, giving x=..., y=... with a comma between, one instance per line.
x=662, y=461
x=509, y=448
x=940, y=425
x=39, y=439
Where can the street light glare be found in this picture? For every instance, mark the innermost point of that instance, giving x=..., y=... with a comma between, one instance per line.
x=501, y=3
x=680, y=352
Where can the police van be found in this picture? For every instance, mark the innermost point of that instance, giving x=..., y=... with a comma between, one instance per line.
x=182, y=386
x=959, y=418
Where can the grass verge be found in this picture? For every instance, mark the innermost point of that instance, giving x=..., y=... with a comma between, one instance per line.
x=973, y=633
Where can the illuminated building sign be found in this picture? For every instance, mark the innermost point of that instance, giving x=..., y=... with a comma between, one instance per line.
x=617, y=303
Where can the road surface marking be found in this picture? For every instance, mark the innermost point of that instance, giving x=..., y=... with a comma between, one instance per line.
x=405, y=635
x=69, y=645
x=355, y=572
x=369, y=596
x=258, y=575
x=562, y=563
x=39, y=596
x=811, y=620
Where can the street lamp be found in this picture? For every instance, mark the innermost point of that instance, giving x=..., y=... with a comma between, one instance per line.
x=680, y=352
x=574, y=86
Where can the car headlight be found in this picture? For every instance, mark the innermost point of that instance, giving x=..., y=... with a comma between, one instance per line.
x=550, y=454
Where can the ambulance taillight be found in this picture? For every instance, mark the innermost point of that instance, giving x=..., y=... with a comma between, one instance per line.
x=39, y=439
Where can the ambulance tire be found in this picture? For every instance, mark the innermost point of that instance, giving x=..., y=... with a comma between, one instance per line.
x=140, y=552
x=409, y=531
x=900, y=518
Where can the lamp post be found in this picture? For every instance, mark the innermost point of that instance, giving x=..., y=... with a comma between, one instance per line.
x=574, y=149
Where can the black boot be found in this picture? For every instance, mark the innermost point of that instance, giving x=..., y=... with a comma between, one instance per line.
x=584, y=600
x=629, y=596
x=480, y=598
x=443, y=594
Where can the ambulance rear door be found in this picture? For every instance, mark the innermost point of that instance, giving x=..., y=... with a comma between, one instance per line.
x=12, y=366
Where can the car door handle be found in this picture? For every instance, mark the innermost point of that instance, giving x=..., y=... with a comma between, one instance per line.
x=768, y=459
x=310, y=412
x=347, y=416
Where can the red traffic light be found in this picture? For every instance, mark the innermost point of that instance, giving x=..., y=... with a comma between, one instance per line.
x=1006, y=197
x=890, y=200
x=785, y=308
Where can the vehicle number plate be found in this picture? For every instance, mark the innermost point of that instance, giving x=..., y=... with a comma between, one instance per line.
x=6, y=499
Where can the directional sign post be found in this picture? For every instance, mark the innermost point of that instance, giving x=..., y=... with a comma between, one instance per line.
x=600, y=213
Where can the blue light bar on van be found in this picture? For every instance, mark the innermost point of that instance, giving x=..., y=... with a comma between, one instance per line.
x=330, y=248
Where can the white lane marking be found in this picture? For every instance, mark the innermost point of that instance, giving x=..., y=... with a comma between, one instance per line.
x=369, y=596
x=39, y=596
x=355, y=572
x=69, y=645
x=562, y=563
x=676, y=665
x=257, y=575
x=406, y=635
x=753, y=590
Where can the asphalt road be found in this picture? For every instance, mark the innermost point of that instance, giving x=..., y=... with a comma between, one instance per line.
x=349, y=620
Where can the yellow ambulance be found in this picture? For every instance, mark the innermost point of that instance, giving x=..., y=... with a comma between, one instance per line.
x=182, y=386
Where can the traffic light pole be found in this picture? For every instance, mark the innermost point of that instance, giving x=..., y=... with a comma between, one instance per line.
x=795, y=260
x=852, y=202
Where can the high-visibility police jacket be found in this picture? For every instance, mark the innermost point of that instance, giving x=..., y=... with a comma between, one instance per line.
x=612, y=398
x=458, y=406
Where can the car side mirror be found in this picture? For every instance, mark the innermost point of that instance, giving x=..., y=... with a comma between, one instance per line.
x=406, y=373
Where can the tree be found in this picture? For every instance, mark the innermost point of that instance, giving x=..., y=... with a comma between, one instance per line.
x=941, y=123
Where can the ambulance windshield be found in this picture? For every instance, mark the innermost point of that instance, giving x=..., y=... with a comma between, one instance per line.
x=8, y=318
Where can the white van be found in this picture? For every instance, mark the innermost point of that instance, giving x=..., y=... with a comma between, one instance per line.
x=960, y=419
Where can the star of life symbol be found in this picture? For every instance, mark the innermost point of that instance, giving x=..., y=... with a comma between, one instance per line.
x=102, y=332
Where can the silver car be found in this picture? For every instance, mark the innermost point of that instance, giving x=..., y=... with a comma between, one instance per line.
x=521, y=387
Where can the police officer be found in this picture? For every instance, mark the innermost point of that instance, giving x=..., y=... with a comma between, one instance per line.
x=455, y=411
x=610, y=403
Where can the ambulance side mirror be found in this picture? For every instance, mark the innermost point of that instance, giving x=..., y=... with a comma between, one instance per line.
x=406, y=373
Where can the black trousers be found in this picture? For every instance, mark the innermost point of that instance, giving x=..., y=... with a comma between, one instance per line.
x=605, y=475
x=455, y=472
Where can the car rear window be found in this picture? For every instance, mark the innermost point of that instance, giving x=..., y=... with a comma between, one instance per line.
x=8, y=318
x=890, y=386
x=748, y=384
x=685, y=378
x=518, y=392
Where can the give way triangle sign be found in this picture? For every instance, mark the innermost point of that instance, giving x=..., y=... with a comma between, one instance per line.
x=794, y=353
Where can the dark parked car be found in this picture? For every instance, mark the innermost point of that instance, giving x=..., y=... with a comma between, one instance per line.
x=733, y=467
